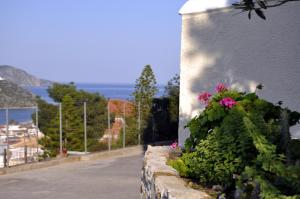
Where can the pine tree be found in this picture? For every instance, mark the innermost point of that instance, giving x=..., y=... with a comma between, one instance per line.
x=72, y=124
x=145, y=91
x=49, y=125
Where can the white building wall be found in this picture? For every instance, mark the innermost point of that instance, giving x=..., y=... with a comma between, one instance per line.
x=220, y=46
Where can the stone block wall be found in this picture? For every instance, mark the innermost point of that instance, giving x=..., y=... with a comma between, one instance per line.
x=160, y=181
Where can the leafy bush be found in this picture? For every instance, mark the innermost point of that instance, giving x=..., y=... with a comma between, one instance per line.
x=242, y=141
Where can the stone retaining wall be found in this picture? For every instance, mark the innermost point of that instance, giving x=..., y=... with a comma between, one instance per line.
x=160, y=181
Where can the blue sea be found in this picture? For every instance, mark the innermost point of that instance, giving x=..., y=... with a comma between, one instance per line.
x=112, y=91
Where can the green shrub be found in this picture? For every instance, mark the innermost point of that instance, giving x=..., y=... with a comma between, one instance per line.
x=180, y=166
x=242, y=141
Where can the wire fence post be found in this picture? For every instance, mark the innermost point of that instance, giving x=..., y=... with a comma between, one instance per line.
x=139, y=122
x=37, y=131
x=60, y=131
x=124, y=124
x=85, y=133
x=7, y=138
x=25, y=155
x=108, y=125
x=24, y=143
x=4, y=158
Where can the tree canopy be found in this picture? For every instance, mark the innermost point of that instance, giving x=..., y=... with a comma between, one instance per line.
x=72, y=119
x=172, y=92
x=145, y=90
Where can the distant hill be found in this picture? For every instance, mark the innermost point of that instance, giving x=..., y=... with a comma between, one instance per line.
x=21, y=77
x=12, y=95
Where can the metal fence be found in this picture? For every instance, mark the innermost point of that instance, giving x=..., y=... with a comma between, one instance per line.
x=19, y=137
x=21, y=141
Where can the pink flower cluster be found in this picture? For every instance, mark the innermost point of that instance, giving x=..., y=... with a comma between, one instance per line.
x=204, y=97
x=174, y=145
x=220, y=88
x=227, y=102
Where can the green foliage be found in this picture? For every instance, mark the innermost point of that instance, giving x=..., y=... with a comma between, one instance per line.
x=72, y=119
x=145, y=91
x=145, y=88
x=131, y=135
x=294, y=147
x=49, y=126
x=162, y=123
x=180, y=166
x=172, y=92
x=45, y=116
x=249, y=140
x=72, y=125
x=58, y=91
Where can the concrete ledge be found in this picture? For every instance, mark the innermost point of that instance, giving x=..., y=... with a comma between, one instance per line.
x=92, y=156
x=161, y=181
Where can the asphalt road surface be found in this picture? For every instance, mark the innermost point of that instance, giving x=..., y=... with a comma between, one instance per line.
x=110, y=178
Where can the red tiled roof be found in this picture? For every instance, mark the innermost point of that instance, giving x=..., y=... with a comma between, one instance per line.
x=117, y=106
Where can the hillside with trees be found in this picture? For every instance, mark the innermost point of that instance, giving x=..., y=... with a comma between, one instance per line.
x=11, y=95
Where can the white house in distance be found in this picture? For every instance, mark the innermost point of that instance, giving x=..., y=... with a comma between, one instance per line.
x=220, y=45
x=20, y=136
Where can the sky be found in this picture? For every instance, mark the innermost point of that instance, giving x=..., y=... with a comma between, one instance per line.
x=91, y=41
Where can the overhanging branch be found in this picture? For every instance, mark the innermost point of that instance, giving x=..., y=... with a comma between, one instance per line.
x=258, y=6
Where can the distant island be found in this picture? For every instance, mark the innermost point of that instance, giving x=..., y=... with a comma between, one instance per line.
x=12, y=83
x=21, y=77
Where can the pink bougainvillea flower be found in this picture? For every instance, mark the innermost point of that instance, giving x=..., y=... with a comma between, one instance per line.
x=204, y=97
x=227, y=102
x=174, y=145
x=220, y=88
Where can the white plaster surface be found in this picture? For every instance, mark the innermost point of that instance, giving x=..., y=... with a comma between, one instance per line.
x=220, y=46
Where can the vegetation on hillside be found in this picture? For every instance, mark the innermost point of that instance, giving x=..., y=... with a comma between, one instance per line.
x=12, y=95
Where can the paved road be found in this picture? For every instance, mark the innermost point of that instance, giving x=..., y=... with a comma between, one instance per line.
x=110, y=178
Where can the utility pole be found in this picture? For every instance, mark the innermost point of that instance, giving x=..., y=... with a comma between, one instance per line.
x=37, y=130
x=124, y=124
x=139, y=122
x=85, y=135
x=7, y=138
x=60, y=131
x=108, y=124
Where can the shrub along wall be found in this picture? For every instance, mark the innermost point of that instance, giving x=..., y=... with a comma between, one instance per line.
x=161, y=181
